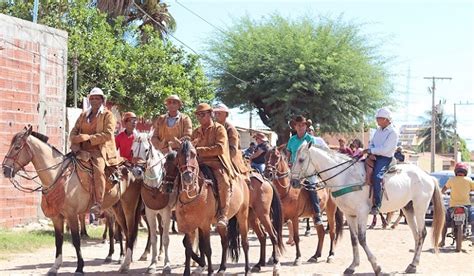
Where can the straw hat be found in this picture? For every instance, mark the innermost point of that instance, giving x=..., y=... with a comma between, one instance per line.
x=96, y=91
x=175, y=98
x=221, y=108
x=203, y=107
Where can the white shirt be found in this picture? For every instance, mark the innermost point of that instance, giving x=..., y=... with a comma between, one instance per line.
x=384, y=142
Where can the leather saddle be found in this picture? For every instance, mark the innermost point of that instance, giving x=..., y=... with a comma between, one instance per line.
x=369, y=168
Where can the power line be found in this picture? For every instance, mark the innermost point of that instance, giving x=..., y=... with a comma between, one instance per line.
x=189, y=47
x=202, y=18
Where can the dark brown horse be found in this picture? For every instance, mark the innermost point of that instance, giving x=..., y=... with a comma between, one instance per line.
x=60, y=181
x=296, y=204
x=197, y=209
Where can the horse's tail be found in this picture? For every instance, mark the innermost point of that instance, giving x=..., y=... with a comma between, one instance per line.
x=439, y=216
x=234, y=239
x=277, y=217
x=339, y=218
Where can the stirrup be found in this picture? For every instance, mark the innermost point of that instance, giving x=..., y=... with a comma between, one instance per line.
x=222, y=221
x=374, y=211
x=318, y=220
x=96, y=209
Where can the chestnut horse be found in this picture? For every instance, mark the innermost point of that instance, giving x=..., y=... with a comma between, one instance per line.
x=296, y=204
x=197, y=209
x=52, y=166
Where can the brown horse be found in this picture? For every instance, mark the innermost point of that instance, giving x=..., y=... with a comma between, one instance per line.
x=60, y=181
x=197, y=209
x=296, y=204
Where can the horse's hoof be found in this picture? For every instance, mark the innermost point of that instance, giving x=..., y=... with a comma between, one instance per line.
x=276, y=268
x=313, y=260
x=167, y=269
x=199, y=269
x=378, y=270
x=256, y=268
x=78, y=273
x=410, y=269
x=51, y=273
x=270, y=261
x=307, y=233
x=108, y=260
x=349, y=271
x=330, y=259
x=297, y=262
x=151, y=270
x=143, y=258
x=123, y=270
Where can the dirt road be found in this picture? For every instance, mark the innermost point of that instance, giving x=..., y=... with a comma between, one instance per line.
x=391, y=247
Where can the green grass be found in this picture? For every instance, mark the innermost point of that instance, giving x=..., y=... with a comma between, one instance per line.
x=13, y=242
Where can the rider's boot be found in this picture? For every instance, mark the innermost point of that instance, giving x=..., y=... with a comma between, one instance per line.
x=224, y=195
x=314, y=199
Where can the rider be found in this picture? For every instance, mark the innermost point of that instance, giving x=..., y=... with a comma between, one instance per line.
x=461, y=185
x=221, y=113
x=124, y=140
x=212, y=147
x=301, y=124
x=258, y=157
x=382, y=146
x=172, y=126
x=94, y=133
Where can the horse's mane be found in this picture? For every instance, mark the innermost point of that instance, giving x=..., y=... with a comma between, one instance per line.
x=40, y=136
x=337, y=156
x=186, y=147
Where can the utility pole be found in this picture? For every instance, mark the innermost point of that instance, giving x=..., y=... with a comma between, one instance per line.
x=35, y=11
x=433, y=118
x=456, y=142
x=74, y=81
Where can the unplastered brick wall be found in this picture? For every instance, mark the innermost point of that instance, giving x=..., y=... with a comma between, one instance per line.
x=33, y=72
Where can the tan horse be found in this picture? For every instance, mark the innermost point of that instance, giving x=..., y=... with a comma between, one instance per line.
x=197, y=209
x=60, y=179
x=296, y=204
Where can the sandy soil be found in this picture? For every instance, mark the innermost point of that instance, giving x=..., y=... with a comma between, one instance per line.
x=391, y=247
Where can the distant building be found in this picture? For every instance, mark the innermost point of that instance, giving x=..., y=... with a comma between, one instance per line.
x=409, y=136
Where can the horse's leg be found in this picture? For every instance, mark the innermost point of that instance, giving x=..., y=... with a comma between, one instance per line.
x=242, y=219
x=397, y=221
x=119, y=238
x=76, y=241
x=374, y=222
x=261, y=235
x=352, y=222
x=225, y=246
x=121, y=225
x=188, y=250
x=132, y=217
x=331, y=216
x=151, y=218
x=205, y=238
x=361, y=235
x=58, y=223
x=110, y=221
x=160, y=228
x=165, y=233
x=420, y=237
x=104, y=234
x=82, y=220
x=308, y=228
x=296, y=238
x=384, y=222
x=321, y=232
x=144, y=256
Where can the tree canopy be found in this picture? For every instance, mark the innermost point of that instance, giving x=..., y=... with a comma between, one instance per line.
x=135, y=76
x=323, y=69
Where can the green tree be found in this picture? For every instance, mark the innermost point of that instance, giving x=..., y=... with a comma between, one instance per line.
x=326, y=70
x=156, y=14
x=136, y=77
x=444, y=127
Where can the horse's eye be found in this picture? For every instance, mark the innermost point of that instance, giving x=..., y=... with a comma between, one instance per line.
x=17, y=147
x=301, y=160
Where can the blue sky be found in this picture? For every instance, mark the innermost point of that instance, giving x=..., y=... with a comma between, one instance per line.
x=425, y=38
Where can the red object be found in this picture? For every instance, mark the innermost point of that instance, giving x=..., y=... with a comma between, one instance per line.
x=458, y=211
x=124, y=143
x=460, y=168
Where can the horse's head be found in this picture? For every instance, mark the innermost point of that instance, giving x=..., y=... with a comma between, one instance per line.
x=274, y=159
x=302, y=167
x=152, y=158
x=187, y=163
x=19, y=154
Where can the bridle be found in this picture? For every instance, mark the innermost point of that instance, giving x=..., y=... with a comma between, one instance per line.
x=189, y=186
x=271, y=168
x=24, y=145
x=317, y=173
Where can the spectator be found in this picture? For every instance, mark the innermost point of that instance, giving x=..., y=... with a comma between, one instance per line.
x=249, y=151
x=343, y=148
x=258, y=157
x=358, y=147
x=399, y=155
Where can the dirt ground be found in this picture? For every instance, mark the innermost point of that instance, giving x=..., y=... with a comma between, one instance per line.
x=393, y=249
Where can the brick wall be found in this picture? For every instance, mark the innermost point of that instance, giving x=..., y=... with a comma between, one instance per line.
x=33, y=72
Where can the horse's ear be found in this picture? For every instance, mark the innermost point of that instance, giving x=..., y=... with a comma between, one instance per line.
x=29, y=130
x=310, y=144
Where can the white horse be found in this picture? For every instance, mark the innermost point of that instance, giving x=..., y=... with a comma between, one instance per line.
x=157, y=198
x=409, y=188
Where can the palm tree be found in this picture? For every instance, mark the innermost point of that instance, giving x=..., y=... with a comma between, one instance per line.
x=141, y=12
x=444, y=127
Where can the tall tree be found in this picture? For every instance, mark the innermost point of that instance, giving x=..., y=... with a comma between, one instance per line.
x=444, y=127
x=135, y=77
x=324, y=69
x=142, y=13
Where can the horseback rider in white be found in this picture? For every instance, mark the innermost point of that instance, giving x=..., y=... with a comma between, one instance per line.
x=382, y=146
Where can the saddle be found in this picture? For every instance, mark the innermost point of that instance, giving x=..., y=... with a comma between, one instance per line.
x=53, y=197
x=113, y=174
x=369, y=168
x=210, y=179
